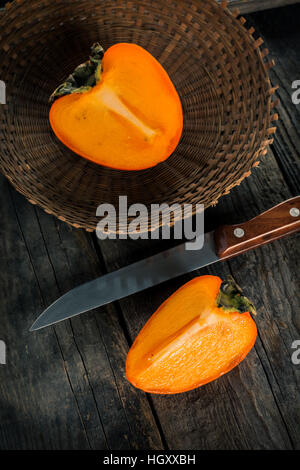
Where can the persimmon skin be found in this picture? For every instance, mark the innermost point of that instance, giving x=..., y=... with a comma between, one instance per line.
x=189, y=341
x=131, y=119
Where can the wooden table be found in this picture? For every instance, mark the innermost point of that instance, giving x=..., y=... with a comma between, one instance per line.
x=65, y=387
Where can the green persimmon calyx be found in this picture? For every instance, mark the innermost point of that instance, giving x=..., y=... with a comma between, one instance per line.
x=231, y=298
x=84, y=77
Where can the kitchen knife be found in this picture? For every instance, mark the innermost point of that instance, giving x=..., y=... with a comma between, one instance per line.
x=224, y=243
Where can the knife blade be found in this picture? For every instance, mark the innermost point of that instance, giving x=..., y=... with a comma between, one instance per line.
x=128, y=280
x=227, y=241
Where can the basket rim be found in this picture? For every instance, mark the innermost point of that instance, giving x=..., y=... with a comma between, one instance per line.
x=266, y=65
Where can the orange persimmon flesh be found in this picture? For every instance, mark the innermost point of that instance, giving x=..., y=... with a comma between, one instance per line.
x=130, y=120
x=189, y=341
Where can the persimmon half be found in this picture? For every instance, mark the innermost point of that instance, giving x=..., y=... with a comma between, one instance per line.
x=120, y=109
x=198, y=334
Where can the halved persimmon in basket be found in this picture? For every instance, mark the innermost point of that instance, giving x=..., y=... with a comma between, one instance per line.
x=200, y=333
x=120, y=109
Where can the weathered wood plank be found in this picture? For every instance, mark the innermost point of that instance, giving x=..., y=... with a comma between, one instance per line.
x=126, y=416
x=275, y=265
x=65, y=387
x=249, y=397
x=281, y=34
x=272, y=274
x=83, y=385
x=34, y=373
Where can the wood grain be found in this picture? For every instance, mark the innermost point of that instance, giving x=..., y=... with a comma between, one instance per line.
x=272, y=274
x=83, y=359
x=280, y=32
x=249, y=396
x=35, y=369
x=65, y=387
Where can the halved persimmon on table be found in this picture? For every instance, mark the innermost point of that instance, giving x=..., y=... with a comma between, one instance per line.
x=120, y=109
x=200, y=333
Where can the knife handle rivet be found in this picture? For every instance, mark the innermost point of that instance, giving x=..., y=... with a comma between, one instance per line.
x=239, y=232
x=294, y=212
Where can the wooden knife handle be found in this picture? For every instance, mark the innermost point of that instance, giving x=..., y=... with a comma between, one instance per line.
x=281, y=220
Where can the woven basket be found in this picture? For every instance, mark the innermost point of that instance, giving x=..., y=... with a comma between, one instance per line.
x=215, y=63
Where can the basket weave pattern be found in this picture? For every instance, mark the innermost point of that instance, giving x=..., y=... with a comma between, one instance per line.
x=216, y=65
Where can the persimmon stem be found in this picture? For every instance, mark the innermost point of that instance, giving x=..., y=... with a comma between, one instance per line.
x=231, y=298
x=84, y=77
